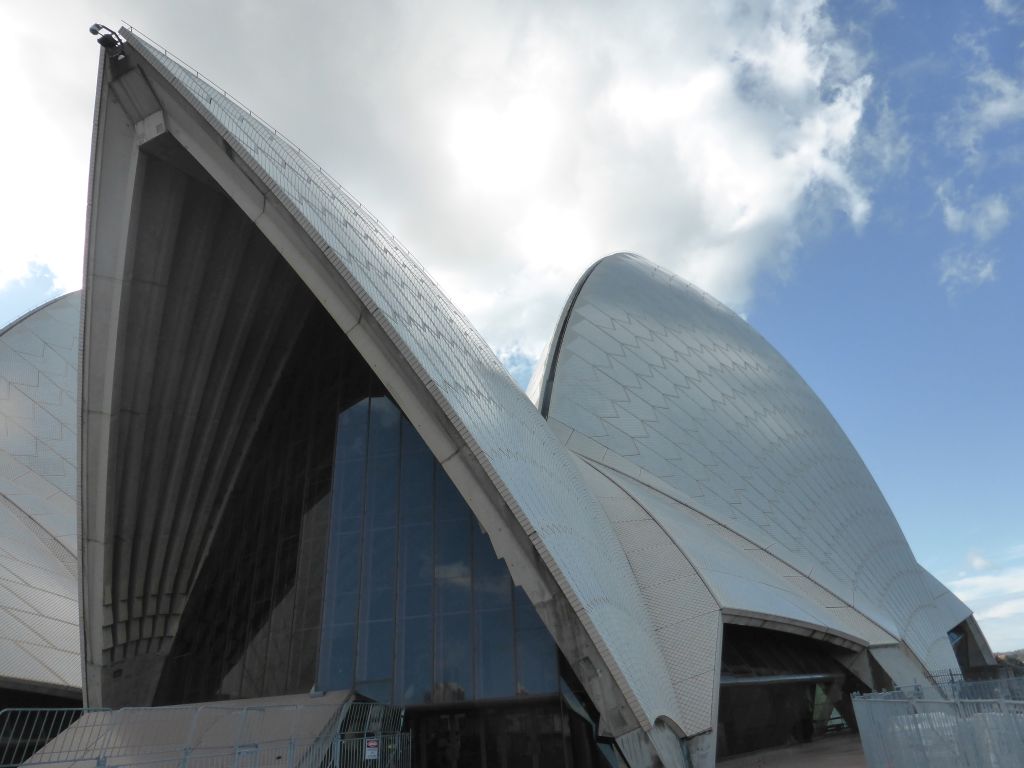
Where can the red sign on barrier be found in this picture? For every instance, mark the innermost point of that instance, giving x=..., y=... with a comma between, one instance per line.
x=371, y=749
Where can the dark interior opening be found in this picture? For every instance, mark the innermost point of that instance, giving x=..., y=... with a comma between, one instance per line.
x=780, y=689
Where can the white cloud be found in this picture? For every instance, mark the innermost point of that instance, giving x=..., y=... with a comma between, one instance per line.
x=1001, y=98
x=997, y=583
x=977, y=561
x=991, y=215
x=509, y=145
x=1005, y=8
x=995, y=100
x=46, y=161
x=957, y=270
x=985, y=218
x=1003, y=610
x=996, y=595
x=886, y=144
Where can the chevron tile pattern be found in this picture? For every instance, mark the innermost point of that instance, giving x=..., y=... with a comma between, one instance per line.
x=39, y=356
x=761, y=486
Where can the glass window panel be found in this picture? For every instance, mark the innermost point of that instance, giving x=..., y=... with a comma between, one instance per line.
x=345, y=562
x=384, y=427
x=492, y=584
x=417, y=600
x=416, y=489
x=453, y=673
x=526, y=614
x=377, y=690
x=416, y=652
x=417, y=554
x=453, y=593
x=382, y=491
x=452, y=569
x=376, y=646
x=348, y=501
x=349, y=466
x=342, y=608
x=536, y=654
x=495, y=657
x=452, y=546
x=338, y=657
x=412, y=443
x=378, y=605
x=449, y=505
x=537, y=662
x=417, y=570
x=380, y=562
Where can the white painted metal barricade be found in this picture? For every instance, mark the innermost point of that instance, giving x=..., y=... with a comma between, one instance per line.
x=190, y=736
x=950, y=725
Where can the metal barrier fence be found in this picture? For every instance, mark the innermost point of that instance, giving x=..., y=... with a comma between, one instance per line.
x=335, y=735
x=24, y=731
x=393, y=750
x=957, y=724
x=371, y=735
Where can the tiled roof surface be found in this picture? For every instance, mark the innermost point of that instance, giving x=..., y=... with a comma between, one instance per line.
x=677, y=390
x=39, y=353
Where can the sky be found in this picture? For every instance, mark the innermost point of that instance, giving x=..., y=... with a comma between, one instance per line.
x=848, y=176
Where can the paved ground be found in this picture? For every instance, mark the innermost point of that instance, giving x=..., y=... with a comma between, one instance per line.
x=841, y=751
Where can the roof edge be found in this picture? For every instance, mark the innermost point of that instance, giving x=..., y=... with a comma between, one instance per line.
x=16, y=321
x=550, y=362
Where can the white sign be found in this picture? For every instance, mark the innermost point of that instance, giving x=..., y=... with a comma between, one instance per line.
x=371, y=749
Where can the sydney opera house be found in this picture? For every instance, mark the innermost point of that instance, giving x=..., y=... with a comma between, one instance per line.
x=299, y=468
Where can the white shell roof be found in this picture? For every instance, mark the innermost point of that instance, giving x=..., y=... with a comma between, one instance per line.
x=39, y=641
x=716, y=435
x=537, y=478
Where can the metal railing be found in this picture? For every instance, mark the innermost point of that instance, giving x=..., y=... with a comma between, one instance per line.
x=371, y=735
x=25, y=731
x=205, y=736
x=956, y=724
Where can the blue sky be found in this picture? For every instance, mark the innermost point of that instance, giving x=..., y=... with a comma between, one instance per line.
x=912, y=328
x=848, y=176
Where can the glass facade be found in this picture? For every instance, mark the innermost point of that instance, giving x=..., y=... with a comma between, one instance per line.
x=344, y=558
x=418, y=609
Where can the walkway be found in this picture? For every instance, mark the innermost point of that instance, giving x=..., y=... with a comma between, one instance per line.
x=840, y=751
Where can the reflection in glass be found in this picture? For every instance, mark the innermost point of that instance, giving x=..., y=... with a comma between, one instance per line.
x=536, y=654
x=453, y=672
x=415, y=676
x=496, y=670
x=435, y=612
